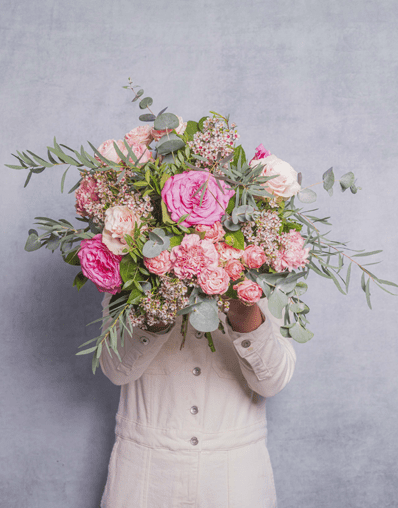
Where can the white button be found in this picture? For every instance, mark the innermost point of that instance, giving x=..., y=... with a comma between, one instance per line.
x=196, y=371
x=194, y=410
x=144, y=340
x=245, y=343
x=194, y=441
x=199, y=335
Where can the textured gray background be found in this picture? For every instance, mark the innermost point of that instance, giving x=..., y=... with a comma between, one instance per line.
x=316, y=82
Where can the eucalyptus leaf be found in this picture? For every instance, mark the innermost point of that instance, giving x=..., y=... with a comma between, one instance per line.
x=166, y=121
x=300, y=334
x=147, y=117
x=169, y=143
x=145, y=103
x=347, y=180
x=32, y=243
x=204, y=317
x=307, y=196
x=276, y=302
x=328, y=179
x=79, y=280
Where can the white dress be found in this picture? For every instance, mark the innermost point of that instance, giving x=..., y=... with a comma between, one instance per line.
x=191, y=427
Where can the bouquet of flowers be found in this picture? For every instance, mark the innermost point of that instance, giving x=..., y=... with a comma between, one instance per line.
x=177, y=220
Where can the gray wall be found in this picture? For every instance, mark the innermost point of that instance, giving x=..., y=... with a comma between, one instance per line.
x=316, y=82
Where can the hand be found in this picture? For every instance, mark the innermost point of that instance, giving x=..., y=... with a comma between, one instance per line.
x=244, y=318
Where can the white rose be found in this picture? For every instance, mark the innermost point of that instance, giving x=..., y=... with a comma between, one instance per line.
x=284, y=185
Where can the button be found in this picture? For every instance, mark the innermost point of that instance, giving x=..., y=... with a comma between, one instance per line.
x=194, y=410
x=144, y=340
x=194, y=441
x=199, y=335
x=245, y=343
x=196, y=371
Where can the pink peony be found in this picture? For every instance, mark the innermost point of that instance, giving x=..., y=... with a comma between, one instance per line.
x=108, y=151
x=179, y=130
x=254, y=256
x=214, y=281
x=119, y=221
x=160, y=264
x=234, y=268
x=85, y=194
x=226, y=252
x=192, y=256
x=293, y=255
x=261, y=153
x=139, y=136
x=286, y=184
x=140, y=151
x=248, y=291
x=178, y=194
x=214, y=233
x=100, y=265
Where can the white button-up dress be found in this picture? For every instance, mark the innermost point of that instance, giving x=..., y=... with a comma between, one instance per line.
x=191, y=427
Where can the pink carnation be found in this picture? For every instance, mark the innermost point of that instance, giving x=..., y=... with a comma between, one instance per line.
x=119, y=221
x=261, y=153
x=140, y=135
x=226, y=252
x=86, y=194
x=248, y=291
x=234, y=268
x=254, y=256
x=108, y=151
x=179, y=130
x=293, y=255
x=214, y=281
x=100, y=265
x=192, y=256
x=160, y=264
x=214, y=233
x=179, y=195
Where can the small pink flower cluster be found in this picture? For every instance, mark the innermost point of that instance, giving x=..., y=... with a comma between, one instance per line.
x=292, y=255
x=216, y=138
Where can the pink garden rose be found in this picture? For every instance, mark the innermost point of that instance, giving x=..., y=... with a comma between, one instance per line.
x=140, y=151
x=261, y=153
x=214, y=281
x=248, y=291
x=234, y=268
x=108, y=151
x=192, y=256
x=293, y=255
x=226, y=252
x=139, y=136
x=85, y=194
x=214, y=233
x=179, y=130
x=119, y=221
x=284, y=185
x=178, y=194
x=160, y=264
x=100, y=265
x=254, y=256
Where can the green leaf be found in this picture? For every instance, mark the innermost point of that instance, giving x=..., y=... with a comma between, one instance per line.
x=239, y=155
x=135, y=297
x=79, y=281
x=367, y=254
x=367, y=292
x=138, y=95
x=191, y=129
x=147, y=117
x=164, y=179
x=87, y=351
x=169, y=143
x=204, y=316
x=299, y=333
x=176, y=240
x=128, y=269
x=166, y=121
x=63, y=179
x=276, y=302
x=165, y=214
x=237, y=239
x=307, y=196
x=201, y=122
x=145, y=103
x=328, y=179
x=348, y=276
x=347, y=180
x=32, y=243
x=28, y=178
x=72, y=258
x=39, y=160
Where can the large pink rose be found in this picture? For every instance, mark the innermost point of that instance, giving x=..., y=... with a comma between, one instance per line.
x=248, y=291
x=119, y=221
x=214, y=281
x=108, y=151
x=86, y=194
x=100, y=265
x=293, y=255
x=160, y=264
x=140, y=135
x=261, y=153
x=179, y=130
x=213, y=233
x=286, y=184
x=234, y=268
x=254, y=256
x=192, y=256
x=178, y=194
x=140, y=151
x=226, y=252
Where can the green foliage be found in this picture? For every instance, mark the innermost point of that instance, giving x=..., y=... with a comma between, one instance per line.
x=79, y=281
